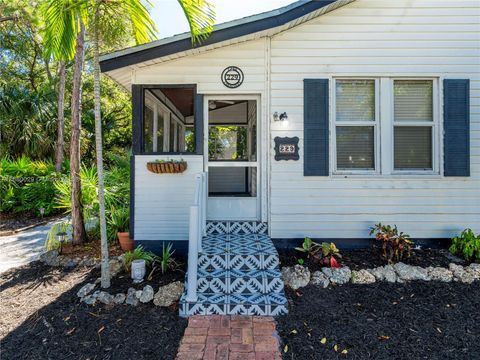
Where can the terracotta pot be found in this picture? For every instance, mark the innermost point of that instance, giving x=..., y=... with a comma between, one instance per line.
x=126, y=243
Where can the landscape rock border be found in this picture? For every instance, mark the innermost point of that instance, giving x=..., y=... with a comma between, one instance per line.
x=164, y=297
x=296, y=277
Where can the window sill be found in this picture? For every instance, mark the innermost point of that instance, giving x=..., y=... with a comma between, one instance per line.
x=393, y=176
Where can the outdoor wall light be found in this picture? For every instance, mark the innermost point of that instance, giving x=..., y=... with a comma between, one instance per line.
x=280, y=117
x=61, y=238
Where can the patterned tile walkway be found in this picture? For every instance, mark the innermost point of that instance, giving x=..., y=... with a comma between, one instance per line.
x=216, y=337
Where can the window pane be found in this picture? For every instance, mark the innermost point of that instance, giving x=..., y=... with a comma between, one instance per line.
x=413, y=147
x=227, y=143
x=413, y=100
x=355, y=147
x=355, y=100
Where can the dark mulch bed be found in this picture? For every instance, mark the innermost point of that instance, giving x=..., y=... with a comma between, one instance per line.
x=416, y=320
x=42, y=318
x=358, y=259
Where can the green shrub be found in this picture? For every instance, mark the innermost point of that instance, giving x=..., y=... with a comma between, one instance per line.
x=118, y=220
x=395, y=245
x=27, y=186
x=466, y=245
x=166, y=261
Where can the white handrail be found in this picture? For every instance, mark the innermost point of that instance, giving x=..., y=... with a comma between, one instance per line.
x=197, y=228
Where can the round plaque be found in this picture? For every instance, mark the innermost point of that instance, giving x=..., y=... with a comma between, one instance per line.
x=232, y=77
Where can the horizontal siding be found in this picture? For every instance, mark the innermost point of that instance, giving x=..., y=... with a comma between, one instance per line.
x=205, y=69
x=375, y=38
x=162, y=201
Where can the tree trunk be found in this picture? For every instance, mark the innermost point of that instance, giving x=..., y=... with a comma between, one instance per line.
x=60, y=117
x=79, y=234
x=105, y=274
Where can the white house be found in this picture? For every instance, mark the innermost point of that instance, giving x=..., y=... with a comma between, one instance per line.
x=318, y=119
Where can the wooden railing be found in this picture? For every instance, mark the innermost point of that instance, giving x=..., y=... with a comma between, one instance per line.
x=197, y=229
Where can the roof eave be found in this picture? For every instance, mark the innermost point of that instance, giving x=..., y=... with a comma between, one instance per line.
x=183, y=42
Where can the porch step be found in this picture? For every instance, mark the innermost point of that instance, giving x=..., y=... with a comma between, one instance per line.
x=237, y=275
x=236, y=227
x=258, y=304
x=239, y=281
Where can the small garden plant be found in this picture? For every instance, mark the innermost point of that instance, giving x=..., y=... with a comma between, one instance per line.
x=325, y=253
x=466, y=245
x=138, y=254
x=395, y=245
x=166, y=261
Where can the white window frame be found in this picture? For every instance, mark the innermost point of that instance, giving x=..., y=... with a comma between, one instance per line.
x=376, y=130
x=384, y=129
x=434, y=124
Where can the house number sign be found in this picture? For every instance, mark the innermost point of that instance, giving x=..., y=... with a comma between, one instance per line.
x=232, y=77
x=286, y=148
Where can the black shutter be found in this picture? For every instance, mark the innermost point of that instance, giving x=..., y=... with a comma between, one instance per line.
x=137, y=119
x=315, y=127
x=198, y=110
x=456, y=127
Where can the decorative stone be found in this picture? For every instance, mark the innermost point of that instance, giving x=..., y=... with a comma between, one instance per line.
x=131, y=297
x=147, y=294
x=105, y=298
x=338, y=275
x=362, y=277
x=85, y=290
x=168, y=294
x=119, y=298
x=460, y=274
x=409, y=272
x=296, y=277
x=50, y=258
x=115, y=266
x=440, y=274
x=89, y=300
x=319, y=279
x=474, y=270
x=384, y=273
x=67, y=262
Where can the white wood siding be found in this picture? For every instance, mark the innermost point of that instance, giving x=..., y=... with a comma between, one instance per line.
x=162, y=201
x=374, y=38
x=205, y=69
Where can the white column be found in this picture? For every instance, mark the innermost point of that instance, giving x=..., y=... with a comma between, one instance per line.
x=175, y=136
x=155, y=128
x=166, y=131
x=192, y=255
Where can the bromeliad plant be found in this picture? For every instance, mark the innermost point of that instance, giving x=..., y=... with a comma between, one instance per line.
x=395, y=245
x=324, y=253
x=467, y=245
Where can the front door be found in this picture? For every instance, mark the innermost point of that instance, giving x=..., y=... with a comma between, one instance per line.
x=232, y=157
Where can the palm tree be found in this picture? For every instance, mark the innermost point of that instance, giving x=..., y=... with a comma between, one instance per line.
x=200, y=16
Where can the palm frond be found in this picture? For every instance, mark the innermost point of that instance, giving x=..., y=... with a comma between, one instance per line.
x=200, y=15
x=60, y=28
x=143, y=25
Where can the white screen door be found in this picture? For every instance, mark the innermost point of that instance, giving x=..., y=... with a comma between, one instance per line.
x=232, y=157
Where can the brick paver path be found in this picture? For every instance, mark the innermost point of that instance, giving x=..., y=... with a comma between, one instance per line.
x=230, y=337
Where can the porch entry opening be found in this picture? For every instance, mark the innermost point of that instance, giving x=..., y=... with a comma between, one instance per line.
x=232, y=159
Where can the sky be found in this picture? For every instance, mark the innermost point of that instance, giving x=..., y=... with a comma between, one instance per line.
x=170, y=19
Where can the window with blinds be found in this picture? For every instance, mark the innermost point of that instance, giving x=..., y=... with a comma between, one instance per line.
x=355, y=124
x=413, y=124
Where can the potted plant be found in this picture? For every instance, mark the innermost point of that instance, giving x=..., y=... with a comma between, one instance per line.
x=119, y=224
